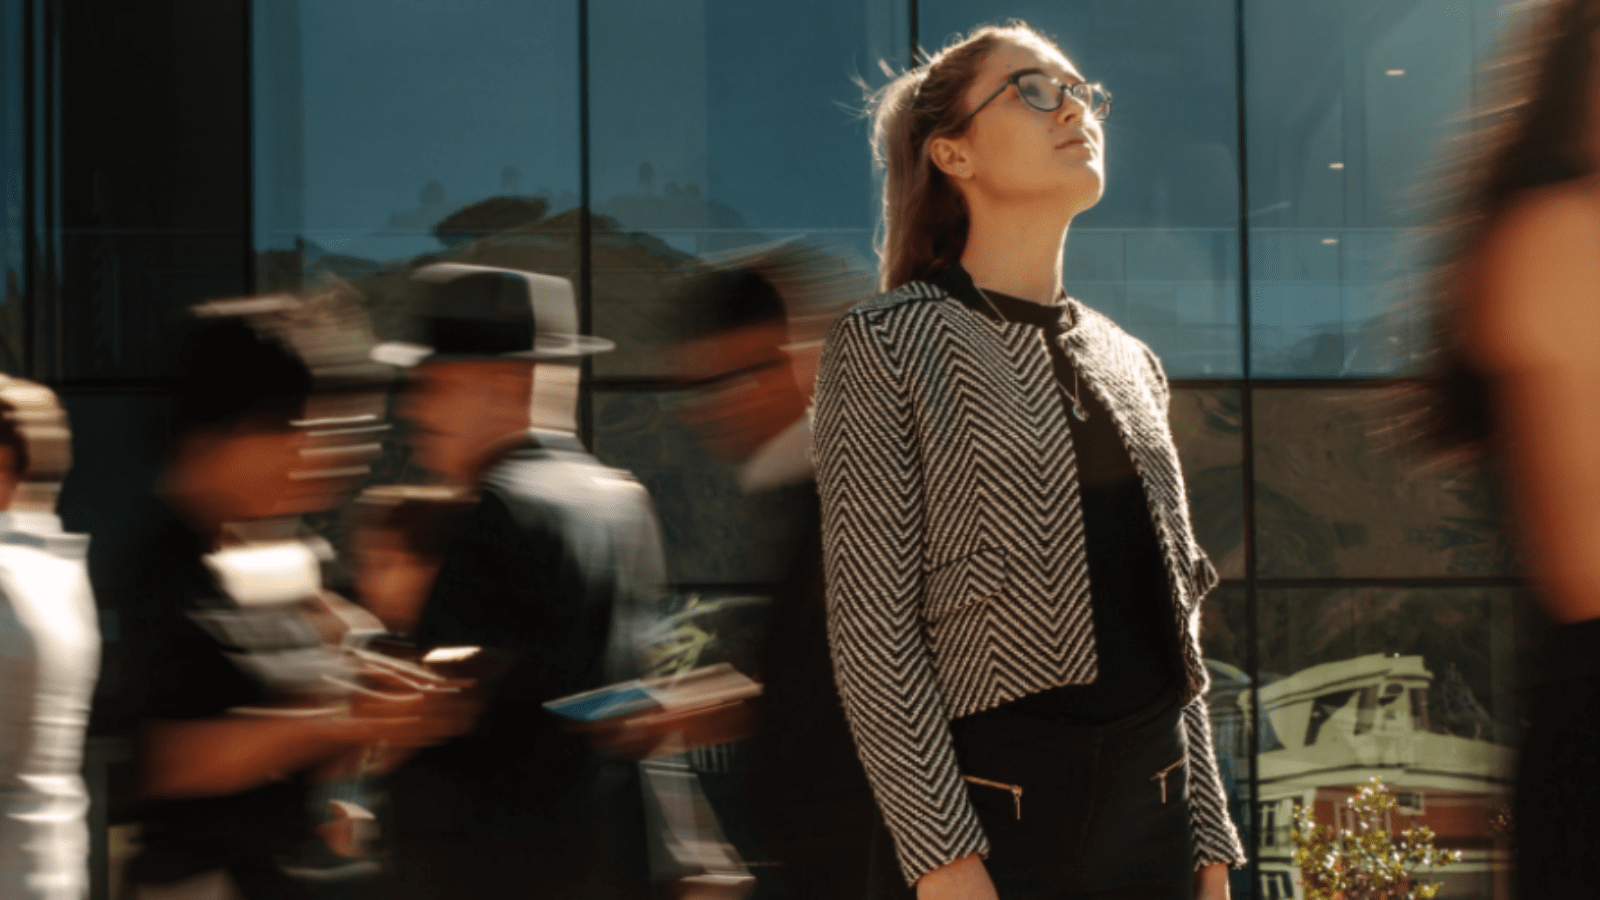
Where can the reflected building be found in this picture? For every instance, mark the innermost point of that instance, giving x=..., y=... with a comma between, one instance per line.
x=1329, y=728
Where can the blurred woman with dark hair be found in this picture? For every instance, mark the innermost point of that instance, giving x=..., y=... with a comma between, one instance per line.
x=1013, y=583
x=1516, y=374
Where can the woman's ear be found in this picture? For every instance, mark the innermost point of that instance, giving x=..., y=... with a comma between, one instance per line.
x=951, y=157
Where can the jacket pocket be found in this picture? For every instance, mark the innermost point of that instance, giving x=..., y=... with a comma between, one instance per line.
x=1015, y=790
x=963, y=583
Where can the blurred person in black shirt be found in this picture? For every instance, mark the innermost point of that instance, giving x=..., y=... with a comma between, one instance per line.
x=237, y=715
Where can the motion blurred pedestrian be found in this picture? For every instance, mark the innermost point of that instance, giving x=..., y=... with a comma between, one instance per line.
x=49, y=656
x=553, y=573
x=757, y=318
x=245, y=699
x=1516, y=375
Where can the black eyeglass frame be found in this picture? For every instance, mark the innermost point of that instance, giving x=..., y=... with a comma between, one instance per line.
x=1078, y=90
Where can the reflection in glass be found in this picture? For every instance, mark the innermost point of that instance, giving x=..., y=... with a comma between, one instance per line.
x=386, y=131
x=1207, y=429
x=745, y=132
x=1414, y=685
x=1337, y=496
x=11, y=194
x=1160, y=253
x=1348, y=104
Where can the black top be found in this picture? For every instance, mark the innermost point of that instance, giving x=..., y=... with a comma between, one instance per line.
x=1136, y=635
x=181, y=672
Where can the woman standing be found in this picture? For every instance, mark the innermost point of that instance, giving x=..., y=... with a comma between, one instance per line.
x=1517, y=303
x=1013, y=583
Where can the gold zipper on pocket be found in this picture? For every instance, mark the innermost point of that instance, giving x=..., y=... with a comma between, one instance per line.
x=1161, y=778
x=1015, y=789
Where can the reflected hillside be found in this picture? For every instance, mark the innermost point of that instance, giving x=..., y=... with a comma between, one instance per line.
x=640, y=244
x=1338, y=495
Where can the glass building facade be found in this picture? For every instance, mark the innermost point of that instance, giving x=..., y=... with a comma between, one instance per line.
x=1267, y=160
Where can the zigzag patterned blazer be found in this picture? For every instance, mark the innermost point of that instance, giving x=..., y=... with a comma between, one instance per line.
x=955, y=560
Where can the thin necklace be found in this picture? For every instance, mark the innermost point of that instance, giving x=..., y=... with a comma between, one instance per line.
x=1078, y=412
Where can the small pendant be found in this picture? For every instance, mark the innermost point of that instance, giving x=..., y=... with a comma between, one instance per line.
x=1078, y=413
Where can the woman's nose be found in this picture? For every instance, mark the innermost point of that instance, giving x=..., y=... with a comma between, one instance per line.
x=1071, y=108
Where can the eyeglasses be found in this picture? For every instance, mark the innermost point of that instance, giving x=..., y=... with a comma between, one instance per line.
x=1046, y=94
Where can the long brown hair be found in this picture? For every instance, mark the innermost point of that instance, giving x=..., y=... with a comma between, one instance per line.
x=1534, y=132
x=923, y=225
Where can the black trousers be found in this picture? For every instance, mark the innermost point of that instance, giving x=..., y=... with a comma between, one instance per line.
x=1102, y=812
x=1557, y=805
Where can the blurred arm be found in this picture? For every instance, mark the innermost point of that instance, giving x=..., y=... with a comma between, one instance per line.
x=235, y=753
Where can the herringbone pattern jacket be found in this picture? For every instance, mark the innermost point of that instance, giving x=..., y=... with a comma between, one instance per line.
x=955, y=559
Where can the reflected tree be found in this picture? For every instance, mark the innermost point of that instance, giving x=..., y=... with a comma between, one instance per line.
x=1367, y=861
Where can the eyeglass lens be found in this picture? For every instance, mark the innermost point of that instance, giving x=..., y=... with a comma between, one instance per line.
x=1045, y=94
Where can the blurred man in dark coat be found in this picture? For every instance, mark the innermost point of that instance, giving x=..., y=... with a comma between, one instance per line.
x=757, y=320
x=552, y=572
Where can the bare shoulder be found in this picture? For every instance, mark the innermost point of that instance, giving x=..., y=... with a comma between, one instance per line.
x=1538, y=276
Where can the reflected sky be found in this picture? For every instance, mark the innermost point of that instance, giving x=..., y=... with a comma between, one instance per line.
x=406, y=111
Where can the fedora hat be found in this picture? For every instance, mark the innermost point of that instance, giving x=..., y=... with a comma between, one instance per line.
x=483, y=312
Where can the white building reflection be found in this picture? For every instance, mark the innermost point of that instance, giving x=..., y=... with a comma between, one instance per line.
x=1329, y=728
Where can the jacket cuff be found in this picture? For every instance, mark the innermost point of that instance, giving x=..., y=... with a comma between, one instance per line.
x=917, y=861
x=1216, y=840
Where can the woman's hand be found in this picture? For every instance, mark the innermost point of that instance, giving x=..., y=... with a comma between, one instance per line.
x=1211, y=882
x=964, y=879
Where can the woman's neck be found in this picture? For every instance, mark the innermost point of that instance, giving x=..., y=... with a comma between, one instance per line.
x=1016, y=256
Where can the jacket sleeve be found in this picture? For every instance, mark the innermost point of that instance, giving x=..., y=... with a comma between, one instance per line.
x=870, y=480
x=1215, y=838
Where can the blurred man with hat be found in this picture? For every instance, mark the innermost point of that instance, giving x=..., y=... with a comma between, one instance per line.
x=553, y=572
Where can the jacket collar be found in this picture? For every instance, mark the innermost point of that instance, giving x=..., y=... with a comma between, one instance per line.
x=957, y=284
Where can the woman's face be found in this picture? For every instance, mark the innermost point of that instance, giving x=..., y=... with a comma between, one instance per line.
x=1012, y=153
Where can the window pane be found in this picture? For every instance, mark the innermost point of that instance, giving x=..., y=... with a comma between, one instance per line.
x=1417, y=686
x=718, y=124
x=388, y=130
x=12, y=222
x=1348, y=103
x=147, y=126
x=1337, y=496
x=1159, y=253
x=1207, y=429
